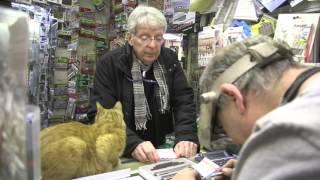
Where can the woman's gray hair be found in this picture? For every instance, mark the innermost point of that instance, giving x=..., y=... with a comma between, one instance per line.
x=257, y=79
x=144, y=15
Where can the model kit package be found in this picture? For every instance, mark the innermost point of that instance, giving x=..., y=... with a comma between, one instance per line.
x=164, y=170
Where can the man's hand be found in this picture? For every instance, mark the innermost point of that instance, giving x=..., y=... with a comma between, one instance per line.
x=187, y=174
x=185, y=149
x=145, y=152
x=227, y=169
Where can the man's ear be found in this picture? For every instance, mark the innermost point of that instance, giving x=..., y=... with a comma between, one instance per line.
x=130, y=38
x=233, y=92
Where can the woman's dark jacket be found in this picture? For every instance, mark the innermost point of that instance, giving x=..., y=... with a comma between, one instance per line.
x=113, y=82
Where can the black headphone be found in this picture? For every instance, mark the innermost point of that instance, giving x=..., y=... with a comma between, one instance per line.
x=292, y=91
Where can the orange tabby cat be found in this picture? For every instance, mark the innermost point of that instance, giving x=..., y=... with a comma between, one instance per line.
x=74, y=149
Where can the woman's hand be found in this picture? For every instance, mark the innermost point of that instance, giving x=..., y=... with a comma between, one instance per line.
x=146, y=152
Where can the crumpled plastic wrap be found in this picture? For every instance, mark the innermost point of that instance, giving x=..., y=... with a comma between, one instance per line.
x=13, y=56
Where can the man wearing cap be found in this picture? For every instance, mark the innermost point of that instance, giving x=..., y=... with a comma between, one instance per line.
x=270, y=104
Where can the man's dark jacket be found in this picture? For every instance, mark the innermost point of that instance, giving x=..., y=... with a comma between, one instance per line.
x=113, y=82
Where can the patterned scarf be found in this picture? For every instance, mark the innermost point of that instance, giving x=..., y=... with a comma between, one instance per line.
x=141, y=107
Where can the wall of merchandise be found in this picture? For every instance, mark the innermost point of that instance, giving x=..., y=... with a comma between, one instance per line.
x=69, y=36
x=66, y=38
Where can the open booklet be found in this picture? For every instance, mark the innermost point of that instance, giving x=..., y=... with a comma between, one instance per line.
x=168, y=169
x=164, y=170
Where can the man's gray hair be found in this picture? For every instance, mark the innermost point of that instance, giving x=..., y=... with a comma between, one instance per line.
x=144, y=15
x=255, y=80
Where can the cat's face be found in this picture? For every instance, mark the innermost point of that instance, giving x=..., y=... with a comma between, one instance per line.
x=112, y=114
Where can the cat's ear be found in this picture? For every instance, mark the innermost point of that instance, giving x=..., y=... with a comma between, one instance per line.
x=118, y=105
x=99, y=106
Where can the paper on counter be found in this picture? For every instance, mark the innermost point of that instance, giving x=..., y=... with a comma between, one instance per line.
x=133, y=178
x=207, y=168
x=113, y=175
x=166, y=154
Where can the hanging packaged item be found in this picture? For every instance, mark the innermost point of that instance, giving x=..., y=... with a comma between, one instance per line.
x=98, y=4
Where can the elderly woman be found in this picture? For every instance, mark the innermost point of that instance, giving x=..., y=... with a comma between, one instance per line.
x=150, y=83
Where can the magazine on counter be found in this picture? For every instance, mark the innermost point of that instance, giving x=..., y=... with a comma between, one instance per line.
x=164, y=170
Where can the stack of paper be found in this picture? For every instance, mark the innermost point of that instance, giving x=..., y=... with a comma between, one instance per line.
x=110, y=175
x=166, y=154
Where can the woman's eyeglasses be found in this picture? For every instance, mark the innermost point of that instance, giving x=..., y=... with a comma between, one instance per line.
x=145, y=40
